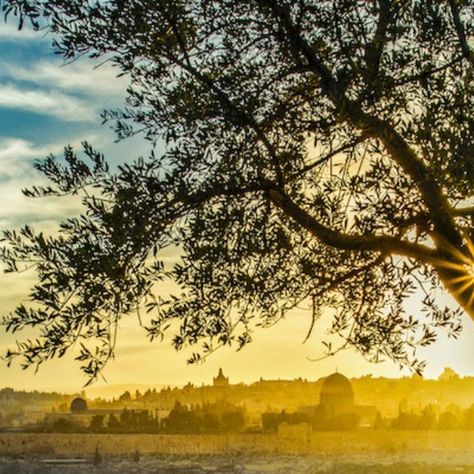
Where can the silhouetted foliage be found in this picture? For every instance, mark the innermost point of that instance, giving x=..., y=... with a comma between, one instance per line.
x=271, y=421
x=125, y=397
x=208, y=418
x=379, y=422
x=113, y=423
x=136, y=421
x=97, y=423
x=62, y=425
x=430, y=418
x=313, y=151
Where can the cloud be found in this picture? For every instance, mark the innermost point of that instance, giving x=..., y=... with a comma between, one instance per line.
x=15, y=155
x=61, y=106
x=80, y=77
x=9, y=32
x=17, y=210
x=17, y=173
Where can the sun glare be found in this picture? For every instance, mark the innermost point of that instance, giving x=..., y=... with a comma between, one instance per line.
x=462, y=267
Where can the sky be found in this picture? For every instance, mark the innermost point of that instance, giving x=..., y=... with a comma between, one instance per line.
x=45, y=105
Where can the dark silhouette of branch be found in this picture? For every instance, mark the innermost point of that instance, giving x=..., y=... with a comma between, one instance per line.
x=367, y=242
x=330, y=155
x=465, y=48
x=373, y=126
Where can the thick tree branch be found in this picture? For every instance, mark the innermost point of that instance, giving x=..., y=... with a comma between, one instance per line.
x=459, y=282
x=394, y=143
x=405, y=156
x=465, y=48
x=374, y=50
x=369, y=242
x=464, y=211
x=204, y=196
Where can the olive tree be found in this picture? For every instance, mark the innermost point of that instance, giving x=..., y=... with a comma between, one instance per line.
x=312, y=151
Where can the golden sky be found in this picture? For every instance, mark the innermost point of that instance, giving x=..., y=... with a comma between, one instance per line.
x=277, y=352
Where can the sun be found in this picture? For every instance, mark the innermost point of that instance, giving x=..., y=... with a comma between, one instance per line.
x=461, y=268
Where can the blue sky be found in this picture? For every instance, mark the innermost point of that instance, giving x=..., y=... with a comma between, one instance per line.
x=45, y=105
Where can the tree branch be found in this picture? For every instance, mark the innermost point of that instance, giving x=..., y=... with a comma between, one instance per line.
x=203, y=196
x=374, y=50
x=227, y=102
x=394, y=143
x=425, y=74
x=336, y=239
x=330, y=155
x=464, y=211
x=333, y=284
x=465, y=48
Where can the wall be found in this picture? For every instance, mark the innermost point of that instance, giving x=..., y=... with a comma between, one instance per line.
x=436, y=444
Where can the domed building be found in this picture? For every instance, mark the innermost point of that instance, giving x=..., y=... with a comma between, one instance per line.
x=337, y=395
x=80, y=414
x=78, y=405
x=337, y=408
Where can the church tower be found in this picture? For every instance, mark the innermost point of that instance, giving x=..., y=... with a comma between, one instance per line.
x=221, y=380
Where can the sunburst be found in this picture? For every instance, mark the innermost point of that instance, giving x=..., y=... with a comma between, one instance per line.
x=462, y=266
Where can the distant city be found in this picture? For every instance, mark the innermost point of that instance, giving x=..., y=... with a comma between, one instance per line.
x=330, y=403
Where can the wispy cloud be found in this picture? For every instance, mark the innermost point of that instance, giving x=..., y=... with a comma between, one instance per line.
x=15, y=154
x=10, y=32
x=17, y=210
x=80, y=77
x=64, y=107
x=17, y=173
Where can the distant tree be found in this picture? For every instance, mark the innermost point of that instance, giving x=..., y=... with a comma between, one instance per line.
x=448, y=375
x=125, y=417
x=313, y=151
x=180, y=420
x=448, y=421
x=232, y=421
x=429, y=418
x=210, y=422
x=469, y=418
x=113, y=423
x=270, y=421
x=97, y=459
x=125, y=397
x=407, y=421
x=378, y=422
x=97, y=423
x=62, y=425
